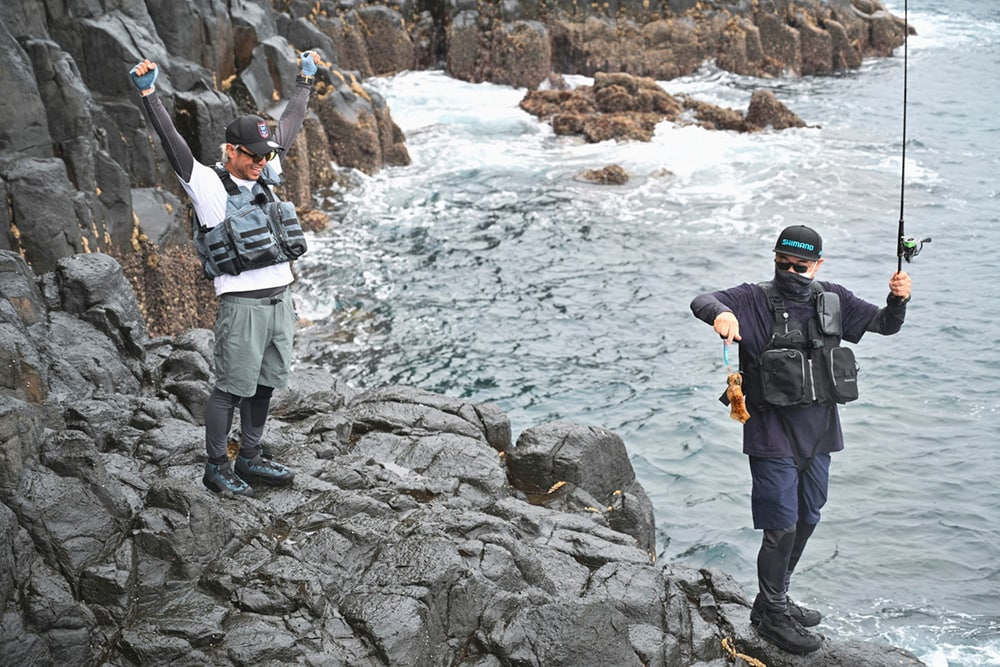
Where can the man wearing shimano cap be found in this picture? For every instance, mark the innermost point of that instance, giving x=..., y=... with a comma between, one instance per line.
x=255, y=321
x=790, y=328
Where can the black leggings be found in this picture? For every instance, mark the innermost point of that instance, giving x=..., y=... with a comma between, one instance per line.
x=219, y=420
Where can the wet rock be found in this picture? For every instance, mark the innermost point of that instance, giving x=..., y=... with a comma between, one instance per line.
x=766, y=111
x=666, y=40
x=388, y=43
x=613, y=174
x=551, y=635
x=25, y=132
x=626, y=108
x=487, y=48
x=359, y=128
x=94, y=288
x=40, y=200
x=23, y=369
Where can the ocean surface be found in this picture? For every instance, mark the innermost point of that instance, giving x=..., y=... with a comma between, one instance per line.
x=489, y=270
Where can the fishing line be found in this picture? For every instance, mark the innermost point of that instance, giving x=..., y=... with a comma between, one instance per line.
x=907, y=247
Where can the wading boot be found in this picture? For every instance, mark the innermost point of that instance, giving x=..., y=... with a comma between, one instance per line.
x=780, y=629
x=263, y=470
x=220, y=478
x=806, y=617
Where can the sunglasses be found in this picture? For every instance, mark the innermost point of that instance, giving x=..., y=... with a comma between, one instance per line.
x=784, y=266
x=270, y=155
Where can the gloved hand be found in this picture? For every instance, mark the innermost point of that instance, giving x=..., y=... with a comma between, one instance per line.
x=308, y=64
x=144, y=81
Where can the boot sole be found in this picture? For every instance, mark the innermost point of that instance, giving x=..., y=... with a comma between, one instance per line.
x=270, y=481
x=785, y=646
x=227, y=493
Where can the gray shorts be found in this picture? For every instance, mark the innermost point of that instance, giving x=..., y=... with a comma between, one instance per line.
x=253, y=342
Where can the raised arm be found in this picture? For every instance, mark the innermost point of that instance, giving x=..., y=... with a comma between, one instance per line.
x=295, y=111
x=178, y=152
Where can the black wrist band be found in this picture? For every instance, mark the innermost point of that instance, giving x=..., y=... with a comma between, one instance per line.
x=302, y=78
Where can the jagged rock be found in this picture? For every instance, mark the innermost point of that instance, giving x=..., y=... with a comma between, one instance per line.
x=516, y=53
x=667, y=40
x=40, y=198
x=566, y=465
x=389, y=46
x=360, y=130
x=26, y=131
x=766, y=111
x=613, y=174
x=93, y=288
x=23, y=369
x=623, y=107
x=160, y=216
x=713, y=117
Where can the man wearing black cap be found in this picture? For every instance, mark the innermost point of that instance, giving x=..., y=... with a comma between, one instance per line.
x=256, y=320
x=794, y=375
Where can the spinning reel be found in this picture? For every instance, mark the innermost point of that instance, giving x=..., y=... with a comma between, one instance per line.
x=909, y=247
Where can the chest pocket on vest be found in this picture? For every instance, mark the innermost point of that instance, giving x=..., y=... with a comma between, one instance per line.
x=784, y=375
x=844, y=373
x=241, y=242
x=288, y=230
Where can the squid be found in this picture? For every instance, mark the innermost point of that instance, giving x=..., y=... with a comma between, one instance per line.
x=734, y=392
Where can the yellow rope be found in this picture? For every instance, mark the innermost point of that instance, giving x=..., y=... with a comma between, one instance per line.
x=753, y=662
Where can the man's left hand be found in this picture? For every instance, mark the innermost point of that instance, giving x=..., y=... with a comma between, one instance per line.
x=900, y=284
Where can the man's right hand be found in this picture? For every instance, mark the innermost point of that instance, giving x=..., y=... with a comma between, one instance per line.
x=310, y=59
x=727, y=326
x=143, y=75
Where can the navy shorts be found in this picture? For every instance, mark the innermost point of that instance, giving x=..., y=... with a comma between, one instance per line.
x=781, y=497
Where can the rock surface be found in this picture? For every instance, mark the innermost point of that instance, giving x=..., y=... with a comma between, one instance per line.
x=628, y=108
x=416, y=532
x=520, y=43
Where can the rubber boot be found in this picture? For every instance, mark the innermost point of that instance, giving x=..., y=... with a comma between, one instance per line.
x=253, y=465
x=220, y=478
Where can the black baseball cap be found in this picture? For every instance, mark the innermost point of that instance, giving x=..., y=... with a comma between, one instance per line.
x=800, y=241
x=253, y=133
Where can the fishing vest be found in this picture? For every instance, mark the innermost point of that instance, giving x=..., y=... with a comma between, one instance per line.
x=801, y=365
x=259, y=230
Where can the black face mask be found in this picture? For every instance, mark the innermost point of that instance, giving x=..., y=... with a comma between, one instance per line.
x=793, y=286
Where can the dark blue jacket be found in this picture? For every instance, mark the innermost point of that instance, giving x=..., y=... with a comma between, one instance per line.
x=815, y=427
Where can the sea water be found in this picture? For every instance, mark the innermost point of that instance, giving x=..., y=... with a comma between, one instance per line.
x=489, y=270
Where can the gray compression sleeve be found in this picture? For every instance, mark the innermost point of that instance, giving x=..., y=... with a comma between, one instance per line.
x=178, y=153
x=295, y=113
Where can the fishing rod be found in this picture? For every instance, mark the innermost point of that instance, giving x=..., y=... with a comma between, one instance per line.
x=907, y=247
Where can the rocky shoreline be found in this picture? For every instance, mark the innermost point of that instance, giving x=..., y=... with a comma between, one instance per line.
x=418, y=532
